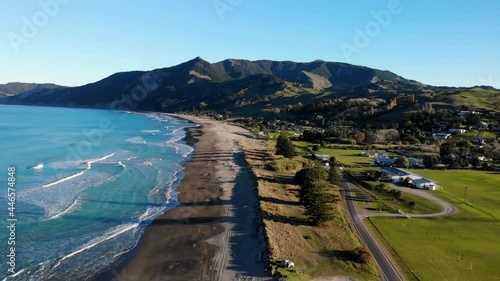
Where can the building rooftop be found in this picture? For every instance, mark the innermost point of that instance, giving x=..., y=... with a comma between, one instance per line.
x=395, y=171
x=422, y=180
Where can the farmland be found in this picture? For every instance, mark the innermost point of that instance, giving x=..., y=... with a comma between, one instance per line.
x=463, y=246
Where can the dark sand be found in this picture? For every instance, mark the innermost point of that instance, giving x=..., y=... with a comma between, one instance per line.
x=215, y=233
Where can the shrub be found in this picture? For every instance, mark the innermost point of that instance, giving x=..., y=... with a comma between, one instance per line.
x=283, y=165
x=361, y=255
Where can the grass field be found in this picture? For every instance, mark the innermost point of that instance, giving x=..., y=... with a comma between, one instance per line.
x=489, y=135
x=318, y=251
x=472, y=134
x=464, y=246
x=483, y=187
x=477, y=98
x=433, y=247
x=345, y=156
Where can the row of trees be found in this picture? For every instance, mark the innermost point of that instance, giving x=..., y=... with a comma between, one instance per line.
x=461, y=154
x=314, y=194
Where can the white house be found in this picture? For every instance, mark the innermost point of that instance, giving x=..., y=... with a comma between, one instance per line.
x=465, y=112
x=457, y=130
x=323, y=157
x=424, y=184
x=375, y=153
x=441, y=136
x=397, y=175
x=482, y=125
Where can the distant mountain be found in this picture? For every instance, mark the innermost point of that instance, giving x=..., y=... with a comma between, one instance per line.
x=16, y=88
x=248, y=88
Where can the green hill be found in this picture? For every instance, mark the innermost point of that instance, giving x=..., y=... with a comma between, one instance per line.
x=282, y=89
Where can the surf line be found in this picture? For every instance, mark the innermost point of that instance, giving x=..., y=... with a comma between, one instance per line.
x=95, y=243
x=63, y=180
x=89, y=163
x=65, y=211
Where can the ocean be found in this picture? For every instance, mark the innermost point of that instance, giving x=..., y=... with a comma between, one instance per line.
x=87, y=183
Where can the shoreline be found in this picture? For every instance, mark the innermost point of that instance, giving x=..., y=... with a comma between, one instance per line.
x=113, y=272
x=213, y=234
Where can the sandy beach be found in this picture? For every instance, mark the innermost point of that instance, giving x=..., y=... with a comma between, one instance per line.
x=215, y=233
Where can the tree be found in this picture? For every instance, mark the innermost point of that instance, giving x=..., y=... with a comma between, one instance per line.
x=447, y=159
x=397, y=194
x=284, y=146
x=473, y=119
x=359, y=137
x=447, y=148
x=412, y=205
x=430, y=161
x=361, y=254
x=318, y=208
x=484, y=165
x=402, y=161
x=333, y=175
x=474, y=161
x=306, y=178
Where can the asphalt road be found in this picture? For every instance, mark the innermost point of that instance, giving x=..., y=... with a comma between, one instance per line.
x=388, y=267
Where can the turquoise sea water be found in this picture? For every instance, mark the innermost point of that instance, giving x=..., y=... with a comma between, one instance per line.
x=87, y=183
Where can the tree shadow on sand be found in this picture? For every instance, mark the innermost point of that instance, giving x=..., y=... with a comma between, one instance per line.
x=279, y=201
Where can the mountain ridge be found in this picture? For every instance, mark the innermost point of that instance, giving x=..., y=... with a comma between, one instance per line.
x=250, y=88
x=16, y=88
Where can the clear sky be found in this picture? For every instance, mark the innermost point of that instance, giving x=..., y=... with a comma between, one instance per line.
x=74, y=42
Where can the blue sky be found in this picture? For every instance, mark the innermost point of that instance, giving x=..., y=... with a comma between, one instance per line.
x=74, y=42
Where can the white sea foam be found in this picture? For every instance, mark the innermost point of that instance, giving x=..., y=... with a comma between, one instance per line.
x=90, y=162
x=59, y=197
x=112, y=234
x=38, y=167
x=151, y=212
x=175, y=138
x=63, y=180
x=150, y=131
x=71, y=208
x=175, y=131
x=136, y=140
x=77, y=163
x=121, y=164
x=11, y=277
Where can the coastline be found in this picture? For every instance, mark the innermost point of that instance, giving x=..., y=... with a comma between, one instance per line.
x=214, y=233
x=113, y=272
